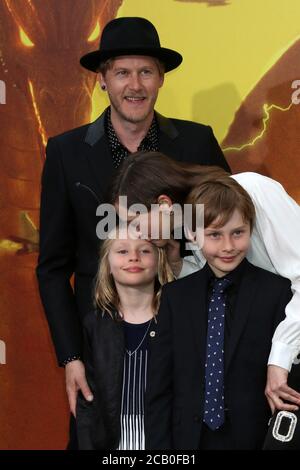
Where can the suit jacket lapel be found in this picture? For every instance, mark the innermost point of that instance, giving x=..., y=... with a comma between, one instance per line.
x=197, y=308
x=167, y=137
x=109, y=356
x=99, y=155
x=244, y=302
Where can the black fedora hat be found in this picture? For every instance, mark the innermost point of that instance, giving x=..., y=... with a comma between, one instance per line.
x=130, y=36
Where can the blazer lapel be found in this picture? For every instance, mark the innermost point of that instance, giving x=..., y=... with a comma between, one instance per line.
x=109, y=355
x=244, y=302
x=197, y=308
x=167, y=137
x=99, y=156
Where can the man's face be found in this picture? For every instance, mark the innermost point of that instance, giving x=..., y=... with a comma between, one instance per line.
x=132, y=83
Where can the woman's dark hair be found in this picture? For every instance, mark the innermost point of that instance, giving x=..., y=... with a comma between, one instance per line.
x=144, y=176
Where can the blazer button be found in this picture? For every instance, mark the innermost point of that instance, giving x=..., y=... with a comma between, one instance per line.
x=197, y=419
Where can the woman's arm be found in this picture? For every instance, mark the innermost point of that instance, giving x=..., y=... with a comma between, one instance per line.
x=276, y=247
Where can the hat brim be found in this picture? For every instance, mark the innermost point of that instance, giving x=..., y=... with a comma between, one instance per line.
x=171, y=59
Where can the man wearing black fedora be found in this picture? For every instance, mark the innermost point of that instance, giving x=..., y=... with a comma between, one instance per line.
x=80, y=164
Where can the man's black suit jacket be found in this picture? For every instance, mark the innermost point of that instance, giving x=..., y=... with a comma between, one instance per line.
x=75, y=179
x=176, y=380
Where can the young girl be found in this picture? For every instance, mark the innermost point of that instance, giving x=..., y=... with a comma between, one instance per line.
x=151, y=177
x=116, y=343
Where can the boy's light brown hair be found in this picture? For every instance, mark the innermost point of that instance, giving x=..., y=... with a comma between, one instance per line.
x=221, y=197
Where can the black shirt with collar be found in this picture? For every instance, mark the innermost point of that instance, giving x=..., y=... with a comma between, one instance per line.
x=235, y=277
x=119, y=151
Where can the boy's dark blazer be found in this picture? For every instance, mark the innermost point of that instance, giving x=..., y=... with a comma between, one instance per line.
x=176, y=381
x=76, y=176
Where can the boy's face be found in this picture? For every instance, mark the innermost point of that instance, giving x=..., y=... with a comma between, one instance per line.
x=225, y=247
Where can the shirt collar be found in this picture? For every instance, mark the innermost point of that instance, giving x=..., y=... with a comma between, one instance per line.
x=149, y=142
x=234, y=276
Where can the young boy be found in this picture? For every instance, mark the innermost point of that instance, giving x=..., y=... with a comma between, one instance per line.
x=207, y=370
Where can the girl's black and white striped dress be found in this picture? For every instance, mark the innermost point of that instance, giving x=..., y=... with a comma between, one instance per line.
x=134, y=385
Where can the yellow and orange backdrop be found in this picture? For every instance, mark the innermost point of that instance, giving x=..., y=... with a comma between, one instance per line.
x=241, y=62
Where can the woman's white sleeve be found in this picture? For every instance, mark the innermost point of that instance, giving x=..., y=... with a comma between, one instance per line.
x=189, y=266
x=278, y=233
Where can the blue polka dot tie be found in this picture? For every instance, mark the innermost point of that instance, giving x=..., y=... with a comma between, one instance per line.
x=214, y=367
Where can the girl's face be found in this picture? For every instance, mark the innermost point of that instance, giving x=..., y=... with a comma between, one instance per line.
x=133, y=262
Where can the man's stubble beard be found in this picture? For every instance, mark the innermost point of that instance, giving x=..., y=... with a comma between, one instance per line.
x=133, y=119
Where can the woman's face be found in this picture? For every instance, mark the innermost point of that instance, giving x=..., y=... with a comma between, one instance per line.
x=155, y=225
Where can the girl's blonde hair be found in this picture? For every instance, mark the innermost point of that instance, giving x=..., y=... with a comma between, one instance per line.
x=106, y=297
